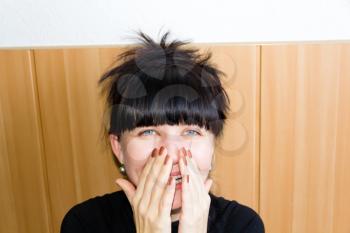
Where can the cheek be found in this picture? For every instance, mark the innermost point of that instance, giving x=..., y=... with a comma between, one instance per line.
x=136, y=151
x=136, y=154
x=202, y=152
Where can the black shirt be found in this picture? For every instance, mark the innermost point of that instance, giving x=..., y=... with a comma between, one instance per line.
x=112, y=213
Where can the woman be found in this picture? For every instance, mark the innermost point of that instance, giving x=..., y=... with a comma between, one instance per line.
x=167, y=109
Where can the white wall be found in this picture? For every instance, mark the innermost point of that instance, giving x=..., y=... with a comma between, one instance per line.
x=37, y=23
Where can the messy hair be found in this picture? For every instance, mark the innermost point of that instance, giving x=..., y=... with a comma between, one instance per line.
x=163, y=83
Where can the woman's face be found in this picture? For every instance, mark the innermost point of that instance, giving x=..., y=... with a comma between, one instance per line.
x=136, y=146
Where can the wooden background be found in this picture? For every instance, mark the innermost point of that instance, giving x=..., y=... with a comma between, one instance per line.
x=285, y=150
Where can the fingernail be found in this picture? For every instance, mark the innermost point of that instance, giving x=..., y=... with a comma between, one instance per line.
x=161, y=150
x=153, y=152
x=188, y=178
x=166, y=159
x=184, y=151
x=170, y=180
x=189, y=153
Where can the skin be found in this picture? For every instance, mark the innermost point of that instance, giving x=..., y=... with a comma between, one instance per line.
x=135, y=148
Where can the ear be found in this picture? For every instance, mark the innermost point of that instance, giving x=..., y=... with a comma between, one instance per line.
x=116, y=147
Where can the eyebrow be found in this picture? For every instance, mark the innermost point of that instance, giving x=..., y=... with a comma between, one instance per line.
x=155, y=126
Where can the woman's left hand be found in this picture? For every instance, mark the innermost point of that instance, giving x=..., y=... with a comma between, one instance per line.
x=195, y=197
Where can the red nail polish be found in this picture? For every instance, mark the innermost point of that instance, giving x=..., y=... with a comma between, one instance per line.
x=166, y=159
x=154, y=152
x=161, y=150
x=189, y=153
x=184, y=151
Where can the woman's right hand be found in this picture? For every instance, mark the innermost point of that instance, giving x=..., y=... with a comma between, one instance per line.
x=152, y=199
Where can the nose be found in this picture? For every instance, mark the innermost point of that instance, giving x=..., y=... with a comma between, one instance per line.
x=173, y=144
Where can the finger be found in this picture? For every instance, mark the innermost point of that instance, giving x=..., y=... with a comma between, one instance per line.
x=162, y=179
x=127, y=187
x=130, y=191
x=182, y=165
x=152, y=181
x=186, y=198
x=141, y=185
x=196, y=179
x=202, y=187
x=193, y=195
x=208, y=183
x=193, y=168
x=168, y=198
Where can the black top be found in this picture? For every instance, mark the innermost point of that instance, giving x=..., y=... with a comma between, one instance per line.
x=113, y=213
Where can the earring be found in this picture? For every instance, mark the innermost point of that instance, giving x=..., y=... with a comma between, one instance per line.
x=122, y=169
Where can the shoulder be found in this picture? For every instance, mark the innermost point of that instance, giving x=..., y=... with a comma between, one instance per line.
x=99, y=211
x=105, y=203
x=233, y=216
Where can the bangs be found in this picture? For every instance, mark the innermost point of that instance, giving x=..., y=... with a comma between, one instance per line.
x=173, y=105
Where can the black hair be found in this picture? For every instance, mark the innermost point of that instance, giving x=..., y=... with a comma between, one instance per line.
x=164, y=83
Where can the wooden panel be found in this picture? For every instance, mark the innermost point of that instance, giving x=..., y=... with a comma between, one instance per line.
x=24, y=195
x=305, y=129
x=236, y=170
x=78, y=166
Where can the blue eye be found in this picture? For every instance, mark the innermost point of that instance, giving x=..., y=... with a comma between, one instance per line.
x=195, y=132
x=148, y=130
x=151, y=131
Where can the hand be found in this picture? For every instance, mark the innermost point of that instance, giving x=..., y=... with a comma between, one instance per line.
x=152, y=200
x=195, y=197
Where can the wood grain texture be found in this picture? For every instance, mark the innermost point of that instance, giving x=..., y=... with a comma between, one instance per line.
x=236, y=169
x=285, y=150
x=78, y=166
x=305, y=129
x=24, y=199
